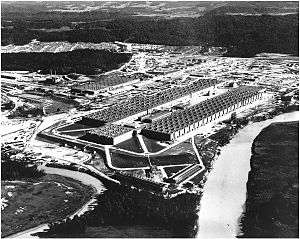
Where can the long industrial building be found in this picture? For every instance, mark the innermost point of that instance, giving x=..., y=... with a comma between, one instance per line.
x=185, y=121
x=141, y=104
x=107, y=81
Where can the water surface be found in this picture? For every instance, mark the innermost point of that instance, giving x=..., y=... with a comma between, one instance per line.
x=225, y=190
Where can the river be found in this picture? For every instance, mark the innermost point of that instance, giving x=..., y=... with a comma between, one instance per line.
x=225, y=191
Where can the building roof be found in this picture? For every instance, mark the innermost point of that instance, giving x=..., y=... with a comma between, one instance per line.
x=103, y=81
x=180, y=119
x=140, y=103
x=110, y=131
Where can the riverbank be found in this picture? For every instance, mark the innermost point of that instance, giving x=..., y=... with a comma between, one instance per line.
x=121, y=209
x=32, y=202
x=273, y=185
x=86, y=181
x=225, y=190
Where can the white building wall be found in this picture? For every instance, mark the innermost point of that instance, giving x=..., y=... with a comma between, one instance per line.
x=122, y=137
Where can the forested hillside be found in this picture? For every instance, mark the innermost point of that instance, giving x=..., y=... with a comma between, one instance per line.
x=87, y=62
x=244, y=35
x=246, y=28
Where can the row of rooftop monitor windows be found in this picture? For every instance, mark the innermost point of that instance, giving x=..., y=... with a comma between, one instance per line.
x=220, y=101
x=177, y=126
x=110, y=131
x=167, y=94
x=109, y=80
x=228, y=98
x=211, y=104
x=182, y=124
x=181, y=119
x=177, y=120
x=189, y=116
x=138, y=104
x=176, y=90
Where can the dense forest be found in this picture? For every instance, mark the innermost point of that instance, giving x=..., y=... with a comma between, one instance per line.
x=243, y=35
x=124, y=206
x=87, y=62
x=18, y=168
x=272, y=205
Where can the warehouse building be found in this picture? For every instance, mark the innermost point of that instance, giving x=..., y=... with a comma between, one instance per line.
x=108, y=134
x=110, y=81
x=89, y=88
x=185, y=121
x=140, y=105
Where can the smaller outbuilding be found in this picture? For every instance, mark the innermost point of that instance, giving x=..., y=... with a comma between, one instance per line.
x=109, y=134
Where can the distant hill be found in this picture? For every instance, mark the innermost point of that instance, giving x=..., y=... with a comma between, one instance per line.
x=256, y=8
x=148, y=8
x=245, y=28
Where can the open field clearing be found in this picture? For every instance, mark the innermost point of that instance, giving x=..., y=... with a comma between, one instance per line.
x=26, y=204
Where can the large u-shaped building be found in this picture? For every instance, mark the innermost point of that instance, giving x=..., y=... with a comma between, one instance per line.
x=139, y=105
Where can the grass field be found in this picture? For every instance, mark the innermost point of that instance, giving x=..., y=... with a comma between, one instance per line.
x=31, y=203
x=152, y=145
x=173, y=170
x=131, y=144
x=130, y=161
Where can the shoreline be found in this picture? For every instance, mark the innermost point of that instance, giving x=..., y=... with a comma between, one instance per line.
x=272, y=187
x=84, y=208
x=210, y=204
